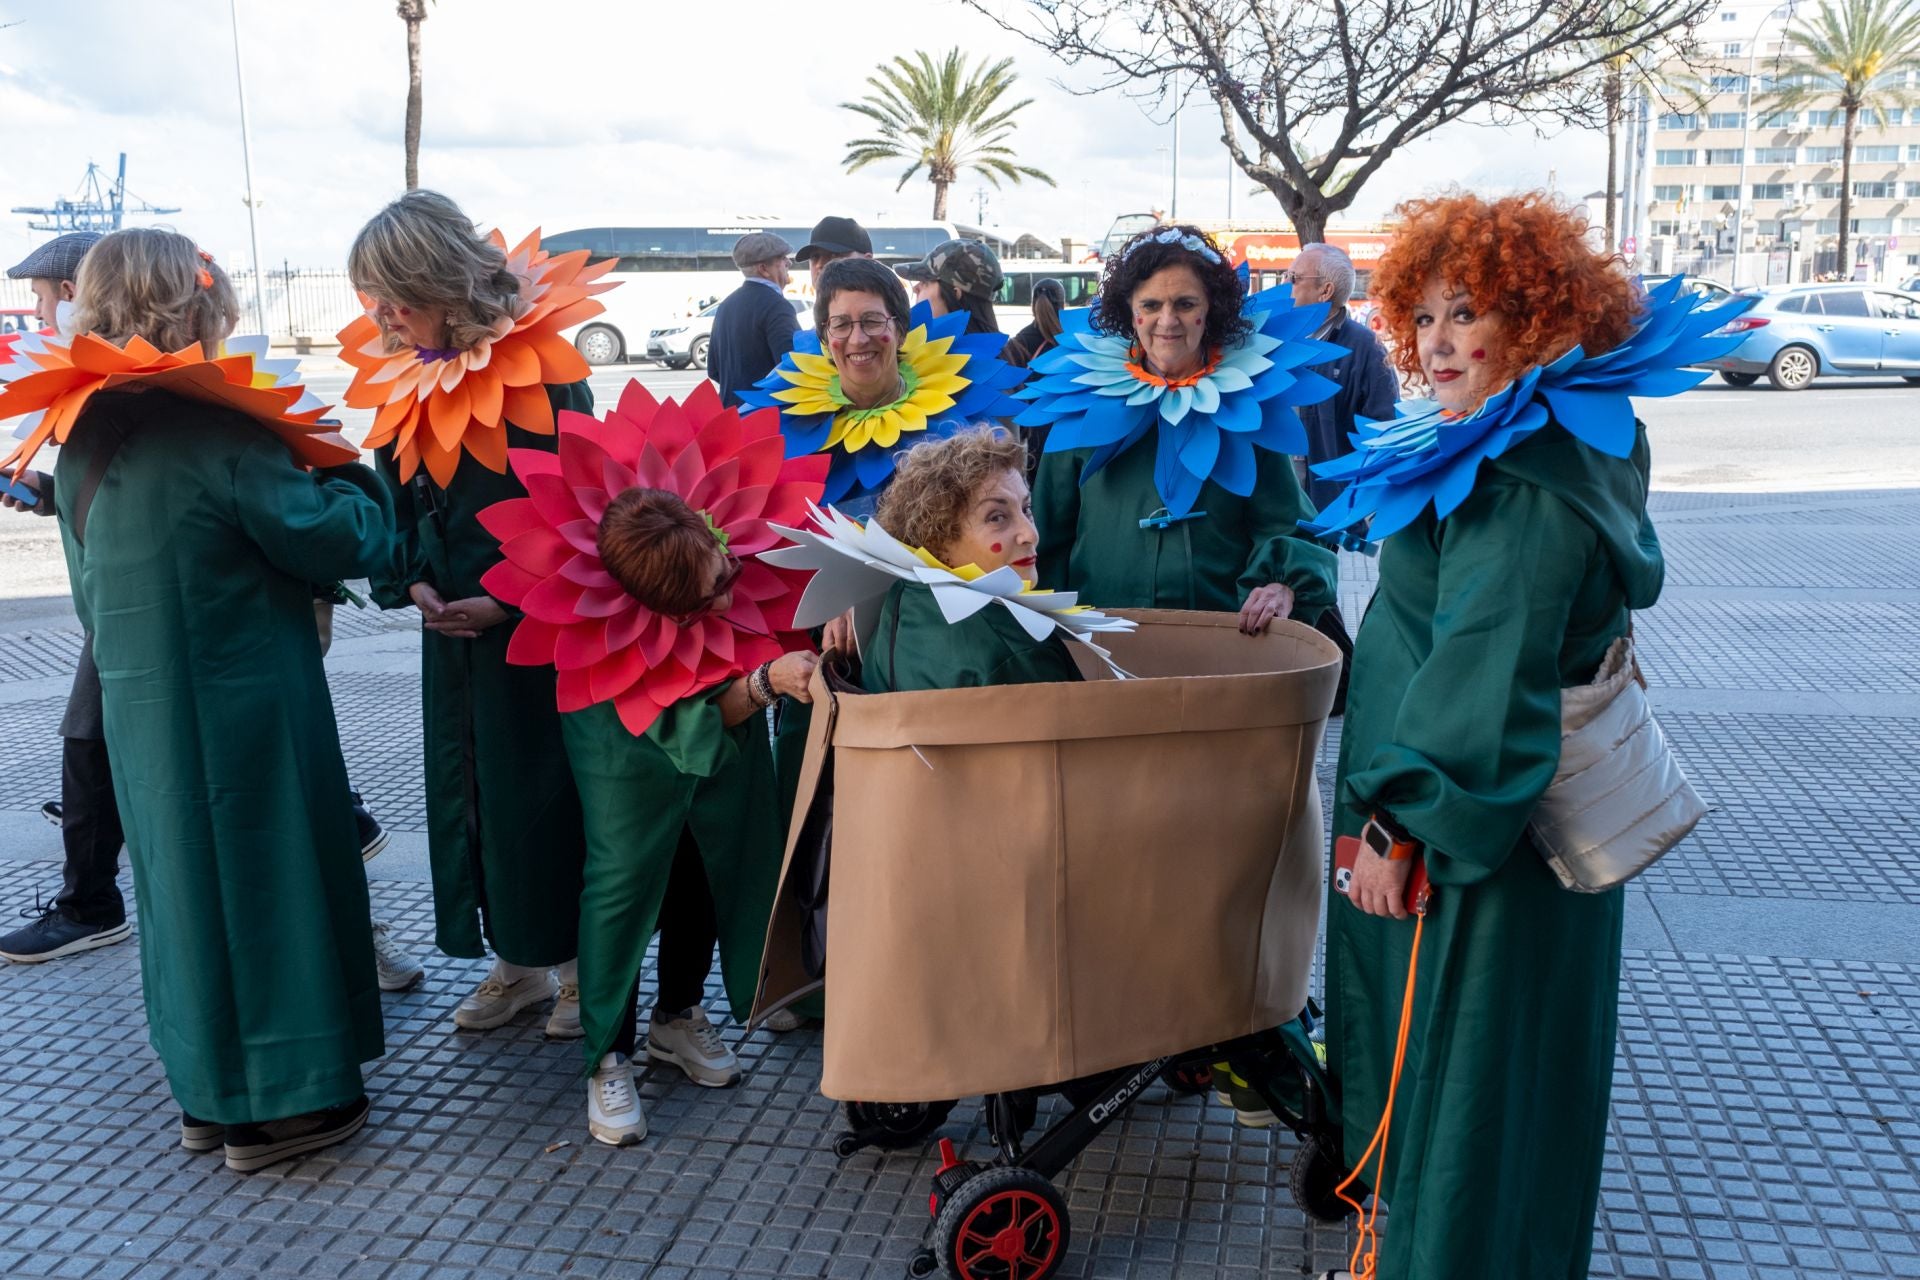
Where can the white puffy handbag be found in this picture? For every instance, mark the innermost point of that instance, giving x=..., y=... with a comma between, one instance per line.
x=1618, y=800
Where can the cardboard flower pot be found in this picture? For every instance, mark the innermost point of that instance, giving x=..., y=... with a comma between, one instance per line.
x=1037, y=882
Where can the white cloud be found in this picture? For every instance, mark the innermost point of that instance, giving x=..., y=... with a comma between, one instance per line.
x=582, y=112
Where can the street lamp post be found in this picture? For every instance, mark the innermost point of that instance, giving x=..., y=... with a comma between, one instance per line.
x=1746, y=130
x=246, y=153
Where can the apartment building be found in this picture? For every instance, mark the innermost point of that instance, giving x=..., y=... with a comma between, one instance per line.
x=1791, y=174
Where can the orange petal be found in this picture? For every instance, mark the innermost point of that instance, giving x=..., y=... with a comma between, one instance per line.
x=450, y=412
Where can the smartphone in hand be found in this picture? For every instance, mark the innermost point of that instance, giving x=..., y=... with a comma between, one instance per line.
x=24, y=494
x=1346, y=851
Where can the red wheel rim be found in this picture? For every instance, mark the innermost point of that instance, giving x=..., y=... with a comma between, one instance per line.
x=1011, y=1235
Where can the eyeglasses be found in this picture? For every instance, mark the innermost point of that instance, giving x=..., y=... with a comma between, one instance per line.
x=874, y=326
x=728, y=576
x=1293, y=277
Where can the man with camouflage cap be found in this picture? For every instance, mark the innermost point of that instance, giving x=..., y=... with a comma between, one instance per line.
x=754, y=326
x=958, y=275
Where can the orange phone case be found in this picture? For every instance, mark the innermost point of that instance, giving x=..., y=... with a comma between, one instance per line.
x=1346, y=850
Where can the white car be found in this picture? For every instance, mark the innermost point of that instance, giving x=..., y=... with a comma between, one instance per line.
x=685, y=342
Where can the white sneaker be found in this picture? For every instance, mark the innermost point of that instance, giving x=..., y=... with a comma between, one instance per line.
x=396, y=969
x=613, y=1106
x=564, y=1022
x=493, y=1003
x=690, y=1043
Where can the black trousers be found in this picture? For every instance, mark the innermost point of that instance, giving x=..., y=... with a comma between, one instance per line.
x=688, y=935
x=90, y=830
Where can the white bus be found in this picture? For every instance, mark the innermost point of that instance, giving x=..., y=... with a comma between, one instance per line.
x=670, y=278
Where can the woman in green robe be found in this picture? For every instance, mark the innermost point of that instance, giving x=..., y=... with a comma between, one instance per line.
x=192, y=537
x=1488, y=605
x=1191, y=502
x=503, y=817
x=699, y=784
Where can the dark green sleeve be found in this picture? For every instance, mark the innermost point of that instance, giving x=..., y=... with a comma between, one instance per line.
x=925, y=651
x=408, y=562
x=1282, y=551
x=321, y=526
x=1477, y=737
x=577, y=396
x=1056, y=510
x=1044, y=662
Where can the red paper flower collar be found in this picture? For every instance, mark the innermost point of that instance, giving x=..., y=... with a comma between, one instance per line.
x=606, y=645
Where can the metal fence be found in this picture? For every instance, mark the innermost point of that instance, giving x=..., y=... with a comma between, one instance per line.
x=300, y=302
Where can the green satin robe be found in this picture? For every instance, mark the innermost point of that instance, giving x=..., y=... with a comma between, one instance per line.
x=914, y=647
x=1091, y=540
x=194, y=581
x=1452, y=727
x=688, y=772
x=503, y=818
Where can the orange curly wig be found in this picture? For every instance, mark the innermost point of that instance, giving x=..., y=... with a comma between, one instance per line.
x=1525, y=257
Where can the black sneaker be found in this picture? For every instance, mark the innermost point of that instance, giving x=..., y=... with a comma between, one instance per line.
x=53, y=811
x=201, y=1135
x=55, y=934
x=373, y=836
x=255, y=1146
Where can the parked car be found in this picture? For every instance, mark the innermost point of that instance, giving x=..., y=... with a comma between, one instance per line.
x=685, y=342
x=15, y=321
x=1712, y=290
x=1796, y=333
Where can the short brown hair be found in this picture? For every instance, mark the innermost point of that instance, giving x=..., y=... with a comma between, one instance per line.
x=146, y=282
x=657, y=548
x=925, y=505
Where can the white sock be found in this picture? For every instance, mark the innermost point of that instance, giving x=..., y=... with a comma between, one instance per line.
x=568, y=973
x=512, y=973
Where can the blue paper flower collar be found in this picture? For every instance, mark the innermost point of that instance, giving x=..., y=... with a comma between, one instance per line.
x=1094, y=393
x=1427, y=455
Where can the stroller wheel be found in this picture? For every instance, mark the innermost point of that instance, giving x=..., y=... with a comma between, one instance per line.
x=1003, y=1224
x=892, y=1125
x=1187, y=1077
x=1316, y=1171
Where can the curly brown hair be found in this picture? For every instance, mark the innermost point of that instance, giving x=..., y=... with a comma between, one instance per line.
x=1144, y=255
x=658, y=549
x=926, y=502
x=1524, y=257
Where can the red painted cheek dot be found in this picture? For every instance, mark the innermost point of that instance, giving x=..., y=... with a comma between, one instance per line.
x=406, y=311
x=1479, y=354
x=995, y=548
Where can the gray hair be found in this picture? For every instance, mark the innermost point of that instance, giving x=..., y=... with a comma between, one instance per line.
x=1335, y=267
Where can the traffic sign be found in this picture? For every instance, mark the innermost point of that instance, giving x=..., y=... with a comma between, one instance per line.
x=1629, y=246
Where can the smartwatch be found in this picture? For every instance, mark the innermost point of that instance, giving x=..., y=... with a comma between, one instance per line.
x=1392, y=845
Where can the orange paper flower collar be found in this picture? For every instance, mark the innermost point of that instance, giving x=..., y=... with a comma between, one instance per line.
x=430, y=409
x=52, y=396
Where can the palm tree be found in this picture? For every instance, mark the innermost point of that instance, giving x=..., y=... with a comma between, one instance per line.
x=413, y=13
x=943, y=119
x=1858, y=51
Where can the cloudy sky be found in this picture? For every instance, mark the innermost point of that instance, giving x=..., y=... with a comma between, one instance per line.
x=564, y=113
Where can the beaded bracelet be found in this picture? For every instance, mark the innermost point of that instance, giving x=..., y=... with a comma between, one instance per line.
x=760, y=685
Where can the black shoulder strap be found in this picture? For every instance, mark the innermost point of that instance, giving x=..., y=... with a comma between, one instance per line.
x=113, y=434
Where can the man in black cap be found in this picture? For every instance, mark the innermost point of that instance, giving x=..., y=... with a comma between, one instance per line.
x=832, y=240
x=89, y=911
x=754, y=326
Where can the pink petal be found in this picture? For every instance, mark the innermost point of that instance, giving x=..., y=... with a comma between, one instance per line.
x=636, y=409
x=581, y=461
x=602, y=604
x=554, y=499
x=538, y=551
x=760, y=459
x=532, y=643
x=509, y=582
x=615, y=673
x=511, y=518
x=573, y=692
x=652, y=470
x=637, y=710
x=688, y=469
x=742, y=504
x=671, y=431
x=533, y=462
x=656, y=642
x=624, y=628
x=582, y=536
x=718, y=483
x=554, y=601
x=722, y=434
x=588, y=572
x=581, y=645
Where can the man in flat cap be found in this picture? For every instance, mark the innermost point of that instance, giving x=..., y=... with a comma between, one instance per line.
x=753, y=327
x=834, y=238
x=89, y=911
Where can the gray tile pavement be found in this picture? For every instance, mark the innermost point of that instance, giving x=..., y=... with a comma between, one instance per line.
x=1764, y=1122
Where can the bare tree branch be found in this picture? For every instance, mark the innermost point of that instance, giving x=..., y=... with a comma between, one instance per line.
x=1327, y=91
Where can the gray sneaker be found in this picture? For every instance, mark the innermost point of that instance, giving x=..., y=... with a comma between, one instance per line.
x=396, y=969
x=689, y=1042
x=613, y=1104
x=564, y=1022
x=493, y=1003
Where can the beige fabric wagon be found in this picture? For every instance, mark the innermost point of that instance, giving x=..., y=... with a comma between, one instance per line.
x=1038, y=882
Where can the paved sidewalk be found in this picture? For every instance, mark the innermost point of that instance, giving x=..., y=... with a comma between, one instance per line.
x=1766, y=1117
